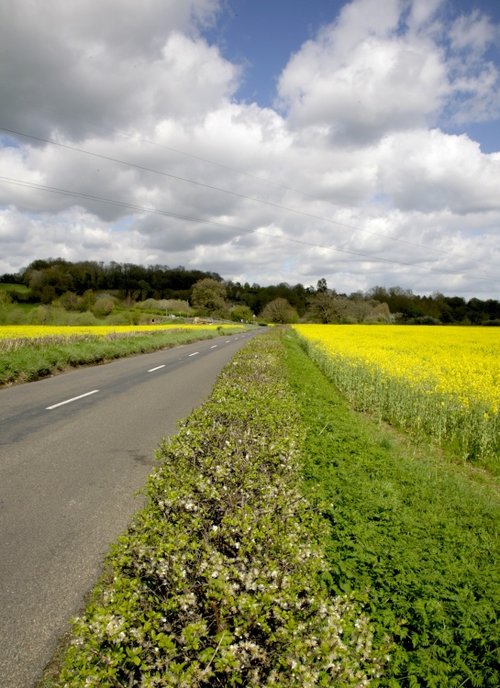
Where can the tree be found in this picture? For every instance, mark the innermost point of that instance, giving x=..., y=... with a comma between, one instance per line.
x=279, y=311
x=323, y=307
x=322, y=286
x=241, y=314
x=208, y=295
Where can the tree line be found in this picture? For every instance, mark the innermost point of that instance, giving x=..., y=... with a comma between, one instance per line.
x=52, y=279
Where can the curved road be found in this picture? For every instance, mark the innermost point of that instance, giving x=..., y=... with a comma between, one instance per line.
x=74, y=450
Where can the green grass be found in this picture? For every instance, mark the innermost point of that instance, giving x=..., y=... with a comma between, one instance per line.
x=413, y=535
x=40, y=358
x=20, y=288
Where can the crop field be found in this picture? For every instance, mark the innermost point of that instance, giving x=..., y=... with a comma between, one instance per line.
x=438, y=382
x=29, y=352
x=42, y=331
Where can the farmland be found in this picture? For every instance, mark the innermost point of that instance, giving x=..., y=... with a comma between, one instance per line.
x=30, y=352
x=441, y=383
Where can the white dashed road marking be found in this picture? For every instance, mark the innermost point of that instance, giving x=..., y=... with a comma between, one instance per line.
x=68, y=401
x=152, y=370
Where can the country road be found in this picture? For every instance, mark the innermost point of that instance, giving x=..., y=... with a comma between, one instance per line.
x=74, y=450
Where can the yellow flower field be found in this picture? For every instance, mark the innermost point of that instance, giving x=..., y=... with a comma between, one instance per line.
x=443, y=381
x=41, y=331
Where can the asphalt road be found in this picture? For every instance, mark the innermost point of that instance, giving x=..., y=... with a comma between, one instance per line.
x=74, y=451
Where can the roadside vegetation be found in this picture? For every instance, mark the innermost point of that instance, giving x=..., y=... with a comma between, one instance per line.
x=290, y=541
x=219, y=580
x=29, y=353
x=412, y=535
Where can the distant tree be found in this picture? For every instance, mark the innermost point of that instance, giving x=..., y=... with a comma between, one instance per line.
x=70, y=301
x=5, y=297
x=322, y=286
x=241, y=313
x=208, y=295
x=103, y=306
x=279, y=311
x=380, y=312
x=323, y=307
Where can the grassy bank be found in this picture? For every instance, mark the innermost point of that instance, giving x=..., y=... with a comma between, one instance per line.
x=31, y=359
x=218, y=581
x=415, y=536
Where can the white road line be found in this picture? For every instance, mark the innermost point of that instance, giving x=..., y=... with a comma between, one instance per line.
x=227, y=341
x=152, y=370
x=68, y=401
x=214, y=346
x=195, y=353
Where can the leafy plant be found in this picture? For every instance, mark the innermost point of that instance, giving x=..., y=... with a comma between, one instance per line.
x=219, y=580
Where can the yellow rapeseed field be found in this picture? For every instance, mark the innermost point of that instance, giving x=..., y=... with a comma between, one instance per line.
x=444, y=381
x=41, y=331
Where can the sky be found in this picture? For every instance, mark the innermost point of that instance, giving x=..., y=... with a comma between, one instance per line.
x=267, y=140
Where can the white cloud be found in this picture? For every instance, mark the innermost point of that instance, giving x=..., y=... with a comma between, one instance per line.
x=361, y=78
x=74, y=66
x=381, y=193
x=429, y=170
x=473, y=32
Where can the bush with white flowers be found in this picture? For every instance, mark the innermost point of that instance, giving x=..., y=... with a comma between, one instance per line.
x=218, y=580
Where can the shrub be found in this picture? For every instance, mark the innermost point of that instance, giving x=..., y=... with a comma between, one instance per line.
x=103, y=306
x=218, y=580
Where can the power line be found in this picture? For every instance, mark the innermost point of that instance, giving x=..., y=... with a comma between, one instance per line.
x=139, y=208
x=189, y=218
x=211, y=187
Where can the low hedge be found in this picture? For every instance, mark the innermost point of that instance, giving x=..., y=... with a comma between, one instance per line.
x=218, y=581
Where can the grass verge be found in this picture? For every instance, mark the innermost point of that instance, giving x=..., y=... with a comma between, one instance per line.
x=39, y=358
x=218, y=581
x=416, y=535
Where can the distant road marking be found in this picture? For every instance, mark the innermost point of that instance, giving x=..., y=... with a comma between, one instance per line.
x=68, y=401
x=214, y=346
x=195, y=353
x=152, y=370
x=227, y=341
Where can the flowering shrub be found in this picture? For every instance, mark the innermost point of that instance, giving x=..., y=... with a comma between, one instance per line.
x=218, y=580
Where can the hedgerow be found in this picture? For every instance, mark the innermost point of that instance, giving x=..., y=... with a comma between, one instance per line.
x=218, y=581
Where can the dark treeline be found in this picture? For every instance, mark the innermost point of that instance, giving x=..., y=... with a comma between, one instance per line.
x=49, y=279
